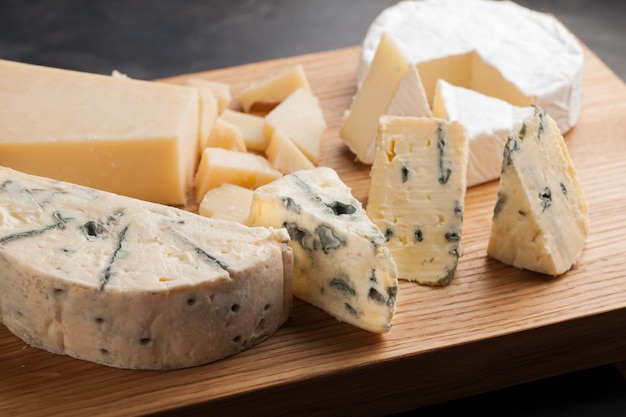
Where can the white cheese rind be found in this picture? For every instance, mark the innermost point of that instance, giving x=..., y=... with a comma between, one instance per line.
x=131, y=284
x=488, y=122
x=540, y=220
x=341, y=264
x=417, y=193
x=495, y=47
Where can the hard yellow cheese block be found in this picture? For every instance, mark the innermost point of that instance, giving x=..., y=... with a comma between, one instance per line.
x=227, y=202
x=131, y=137
x=219, y=166
x=251, y=128
x=226, y=135
x=285, y=156
x=221, y=91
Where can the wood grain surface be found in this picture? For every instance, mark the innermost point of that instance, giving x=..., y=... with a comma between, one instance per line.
x=493, y=326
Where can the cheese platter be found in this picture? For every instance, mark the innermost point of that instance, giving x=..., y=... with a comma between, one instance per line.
x=493, y=326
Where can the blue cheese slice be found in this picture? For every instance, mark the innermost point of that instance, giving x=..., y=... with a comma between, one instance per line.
x=132, y=284
x=417, y=193
x=540, y=221
x=341, y=264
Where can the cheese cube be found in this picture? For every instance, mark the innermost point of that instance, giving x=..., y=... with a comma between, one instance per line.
x=208, y=115
x=132, y=284
x=341, y=264
x=227, y=202
x=221, y=91
x=540, y=221
x=285, y=156
x=131, y=137
x=274, y=89
x=300, y=117
x=417, y=192
x=227, y=136
x=251, y=128
x=219, y=166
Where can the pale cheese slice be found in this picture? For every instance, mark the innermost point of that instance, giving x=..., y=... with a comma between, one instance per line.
x=274, y=89
x=226, y=135
x=540, y=220
x=285, y=156
x=252, y=128
x=132, y=284
x=488, y=122
x=341, y=264
x=219, y=166
x=220, y=90
x=417, y=193
x=227, y=202
x=301, y=118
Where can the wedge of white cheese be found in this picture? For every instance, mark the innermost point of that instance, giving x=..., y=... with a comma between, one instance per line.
x=341, y=264
x=132, y=284
x=540, y=220
x=488, y=122
x=417, y=192
x=498, y=48
x=392, y=86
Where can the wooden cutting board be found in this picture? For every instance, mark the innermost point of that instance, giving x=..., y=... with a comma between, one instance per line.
x=492, y=327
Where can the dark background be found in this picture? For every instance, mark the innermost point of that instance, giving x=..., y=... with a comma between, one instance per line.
x=157, y=39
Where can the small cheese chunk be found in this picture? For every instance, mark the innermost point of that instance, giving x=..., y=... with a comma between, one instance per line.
x=131, y=137
x=220, y=90
x=341, y=264
x=285, y=156
x=227, y=136
x=131, y=284
x=373, y=98
x=227, y=202
x=219, y=166
x=417, y=193
x=274, y=89
x=488, y=122
x=300, y=117
x=540, y=221
x=252, y=128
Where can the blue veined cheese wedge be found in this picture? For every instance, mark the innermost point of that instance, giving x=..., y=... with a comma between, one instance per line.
x=417, y=193
x=132, y=284
x=341, y=264
x=540, y=221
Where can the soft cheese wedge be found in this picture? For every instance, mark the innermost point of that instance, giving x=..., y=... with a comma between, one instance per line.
x=341, y=264
x=417, y=193
x=540, y=221
x=497, y=48
x=100, y=131
x=132, y=284
x=488, y=122
x=394, y=87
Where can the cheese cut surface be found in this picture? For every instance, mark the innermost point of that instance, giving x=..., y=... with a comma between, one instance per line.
x=227, y=202
x=410, y=99
x=488, y=122
x=100, y=131
x=285, y=156
x=540, y=220
x=220, y=91
x=498, y=48
x=219, y=166
x=251, y=126
x=226, y=135
x=341, y=264
x=275, y=88
x=417, y=193
x=373, y=97
x=301, y=119
x=132, y=284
